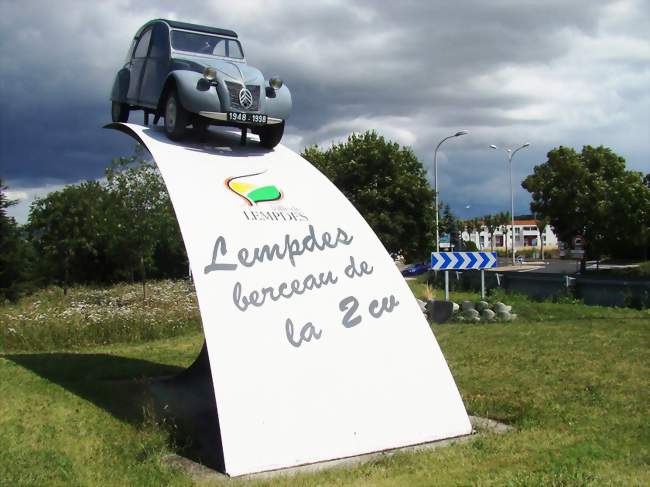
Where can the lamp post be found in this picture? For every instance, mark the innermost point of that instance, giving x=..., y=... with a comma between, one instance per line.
x=435, y=178
x=510, y=154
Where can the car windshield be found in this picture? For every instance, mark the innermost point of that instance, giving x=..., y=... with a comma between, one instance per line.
x=206, y=44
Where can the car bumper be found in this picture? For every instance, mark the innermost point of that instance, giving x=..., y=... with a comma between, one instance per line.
x=223, y=117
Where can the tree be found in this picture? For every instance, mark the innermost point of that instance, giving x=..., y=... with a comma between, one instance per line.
x=450, y=225
x=541, y=222
x=14, y=260
x=387, y=184
x=143, y=220
x=470, y=226
x=491, y=225
x=68, y=229
x=591, y=194
x=503, y=221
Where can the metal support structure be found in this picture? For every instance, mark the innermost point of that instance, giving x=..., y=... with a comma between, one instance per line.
x=435, y=180
x=146, y=117
x=482, y=284
x=446, y=285
x=510, y=154
x=244, y=131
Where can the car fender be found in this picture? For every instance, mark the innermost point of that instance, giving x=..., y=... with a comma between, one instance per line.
x=278, y=106
x=195, y=92
x=121, y=85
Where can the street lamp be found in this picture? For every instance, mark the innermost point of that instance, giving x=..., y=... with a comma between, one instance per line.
x=435, y=178
x=511, y=153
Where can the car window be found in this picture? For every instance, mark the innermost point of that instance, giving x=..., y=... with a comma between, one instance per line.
x=234, y=50
x=143, y=44
x=206, y=44
x=159, y=43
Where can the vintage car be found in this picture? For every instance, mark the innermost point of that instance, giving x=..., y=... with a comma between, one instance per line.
x=197, y=75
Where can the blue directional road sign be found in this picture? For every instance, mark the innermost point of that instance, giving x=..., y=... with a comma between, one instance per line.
x=463, y=260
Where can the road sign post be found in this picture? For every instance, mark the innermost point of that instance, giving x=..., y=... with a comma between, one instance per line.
x=482, y=284
x=463, y=260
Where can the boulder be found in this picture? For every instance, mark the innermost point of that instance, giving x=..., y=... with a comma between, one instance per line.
x=466, y=305
x=481, y=305
x=455, y=307
x=500, y=308
x=504, y=315
x=487, y=314
x=471, y=314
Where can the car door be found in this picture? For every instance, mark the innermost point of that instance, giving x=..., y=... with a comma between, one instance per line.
x=156, y=66
x=137, y=66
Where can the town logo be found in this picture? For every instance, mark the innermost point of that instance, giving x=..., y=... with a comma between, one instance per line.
x=259, y=188
x=253, y=188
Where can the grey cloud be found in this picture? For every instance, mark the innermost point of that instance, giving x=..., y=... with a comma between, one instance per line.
x=509, y=71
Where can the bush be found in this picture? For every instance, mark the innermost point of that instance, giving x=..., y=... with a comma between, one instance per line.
x=470, y=246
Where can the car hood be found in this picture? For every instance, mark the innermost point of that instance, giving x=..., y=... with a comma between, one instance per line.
x=227, y=70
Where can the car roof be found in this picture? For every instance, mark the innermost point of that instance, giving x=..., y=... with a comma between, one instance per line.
x=175, y=24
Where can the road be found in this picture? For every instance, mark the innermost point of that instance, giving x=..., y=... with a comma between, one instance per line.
x=549, y=266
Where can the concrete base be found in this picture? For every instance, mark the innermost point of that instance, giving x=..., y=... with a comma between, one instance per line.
x=202, y=473
x=187, y=401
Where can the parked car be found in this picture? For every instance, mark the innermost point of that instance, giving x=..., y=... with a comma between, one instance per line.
x=197, y=75
x=416, y=269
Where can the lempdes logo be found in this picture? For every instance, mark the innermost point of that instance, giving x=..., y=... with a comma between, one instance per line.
x=257, y=189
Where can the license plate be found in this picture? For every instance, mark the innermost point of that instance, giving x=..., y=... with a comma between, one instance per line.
x=256, y=118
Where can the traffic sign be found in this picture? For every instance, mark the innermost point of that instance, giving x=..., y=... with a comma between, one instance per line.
x=463, y=260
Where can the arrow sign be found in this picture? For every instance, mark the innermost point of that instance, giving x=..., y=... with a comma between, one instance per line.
x=463, y=260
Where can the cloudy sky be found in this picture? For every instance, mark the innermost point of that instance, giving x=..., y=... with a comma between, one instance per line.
x=548, y=72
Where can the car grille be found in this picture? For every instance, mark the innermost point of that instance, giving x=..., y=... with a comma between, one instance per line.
x=233, y=92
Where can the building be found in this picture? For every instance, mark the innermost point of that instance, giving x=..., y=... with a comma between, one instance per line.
x=526, y=236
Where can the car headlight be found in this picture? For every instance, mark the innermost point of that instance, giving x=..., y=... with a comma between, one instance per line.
x=210, y=73
x=275, y=82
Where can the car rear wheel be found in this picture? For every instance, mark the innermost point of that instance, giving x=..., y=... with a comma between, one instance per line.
x=176, y=117
x=271, y=135
x=119, y=112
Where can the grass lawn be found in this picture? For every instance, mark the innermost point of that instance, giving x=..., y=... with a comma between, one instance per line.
x=573, y=379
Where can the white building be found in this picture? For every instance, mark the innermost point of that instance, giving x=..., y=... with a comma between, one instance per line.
x=526, y=236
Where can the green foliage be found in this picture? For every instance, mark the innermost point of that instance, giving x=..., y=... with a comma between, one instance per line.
x=69, y=229
x=451, y=225
x=94, y=232
x=470, y=246
x=593, y=195
x=51, y=320
x=387, y=184
x=14, y=253
x=143, y=223
x=571, y=378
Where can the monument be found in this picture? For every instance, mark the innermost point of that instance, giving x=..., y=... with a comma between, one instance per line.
x=317, y=348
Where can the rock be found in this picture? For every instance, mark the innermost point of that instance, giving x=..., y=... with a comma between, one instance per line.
x=481, y=305
x=513, y=316
x=456, y=307
x=504, y=316
x=466, y=305
x=500, y=308
x=423, y=305
x=487, y=314
x=471, y=314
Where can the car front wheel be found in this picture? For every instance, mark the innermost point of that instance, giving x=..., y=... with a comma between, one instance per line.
x=271, y=135
x=119, y=112
x=176, y=117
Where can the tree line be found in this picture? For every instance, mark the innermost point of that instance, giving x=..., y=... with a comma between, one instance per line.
x=124, y=228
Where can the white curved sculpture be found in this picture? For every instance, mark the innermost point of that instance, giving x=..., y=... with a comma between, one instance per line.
x=318, y=349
